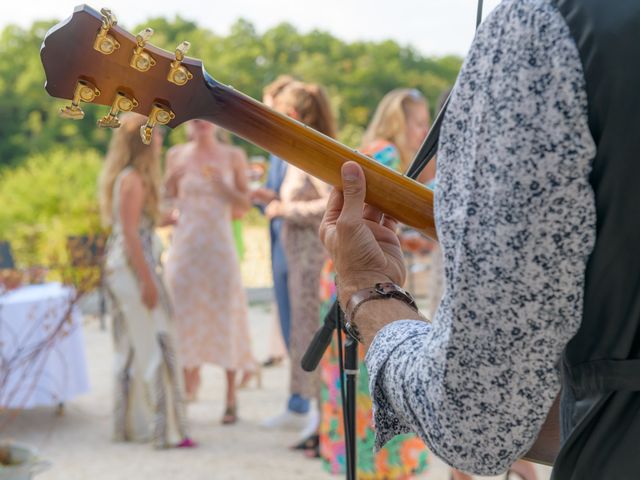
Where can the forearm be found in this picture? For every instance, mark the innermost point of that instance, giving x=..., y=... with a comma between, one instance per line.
x=135, y=254
x=239, y=199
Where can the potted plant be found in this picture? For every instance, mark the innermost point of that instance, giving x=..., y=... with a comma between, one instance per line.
x=19, y=462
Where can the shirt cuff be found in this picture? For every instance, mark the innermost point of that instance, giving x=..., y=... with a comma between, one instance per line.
x=388, y=423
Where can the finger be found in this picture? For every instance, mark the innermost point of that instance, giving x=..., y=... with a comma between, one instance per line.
x=372, y=213
x=390, y=222
x=334, y=207
x=331, y=214
x=353, y=190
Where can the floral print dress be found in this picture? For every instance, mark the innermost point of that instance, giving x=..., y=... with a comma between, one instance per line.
x=402, y=457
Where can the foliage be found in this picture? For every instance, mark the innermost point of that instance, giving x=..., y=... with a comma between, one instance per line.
x=356, y=74
x=29, y=121
x=46, y=199
x=49, y=166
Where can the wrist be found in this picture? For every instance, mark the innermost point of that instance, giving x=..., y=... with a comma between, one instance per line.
x=349, y=285
x=391, y=303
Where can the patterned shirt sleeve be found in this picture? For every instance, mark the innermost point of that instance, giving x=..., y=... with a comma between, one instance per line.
x=516, y=219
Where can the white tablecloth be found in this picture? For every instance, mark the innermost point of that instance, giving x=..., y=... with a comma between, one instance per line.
x=37, y=366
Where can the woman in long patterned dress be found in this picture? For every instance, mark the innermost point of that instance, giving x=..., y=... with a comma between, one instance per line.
x=398, y=127
x=207, y=180
x=301, y=203
x=148, y=389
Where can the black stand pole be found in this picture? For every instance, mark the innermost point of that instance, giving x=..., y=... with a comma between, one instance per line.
x=348, y=366
x=351, y=374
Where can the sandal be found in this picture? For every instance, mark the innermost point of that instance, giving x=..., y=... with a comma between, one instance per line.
x=230, y=415
x=313, y=452
x=272, y=362
x=308, y=443
x=186, y=443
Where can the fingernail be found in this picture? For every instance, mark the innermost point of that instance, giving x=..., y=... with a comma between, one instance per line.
x=350, y=172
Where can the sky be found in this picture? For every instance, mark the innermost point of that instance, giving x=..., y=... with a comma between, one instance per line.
x=434, y=27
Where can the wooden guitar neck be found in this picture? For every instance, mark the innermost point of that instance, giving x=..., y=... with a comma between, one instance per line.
x=406, y=200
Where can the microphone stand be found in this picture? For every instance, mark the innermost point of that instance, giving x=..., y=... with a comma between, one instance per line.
x=348, y=367
x=349, y=405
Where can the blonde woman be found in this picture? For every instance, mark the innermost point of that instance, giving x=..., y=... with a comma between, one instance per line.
x=207, y=179
x=398, y=128
x=148, y=403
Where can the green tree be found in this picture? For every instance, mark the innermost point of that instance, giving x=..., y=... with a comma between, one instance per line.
x=47, y=198
x=49, y=166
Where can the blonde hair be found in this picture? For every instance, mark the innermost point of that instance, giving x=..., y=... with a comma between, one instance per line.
x=311, y=103
x=389, y=121
x=127, y=150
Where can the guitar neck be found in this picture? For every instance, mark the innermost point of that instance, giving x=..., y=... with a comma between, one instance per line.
x=406, y=200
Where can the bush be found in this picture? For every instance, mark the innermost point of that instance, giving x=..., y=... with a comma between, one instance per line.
x=46, y=199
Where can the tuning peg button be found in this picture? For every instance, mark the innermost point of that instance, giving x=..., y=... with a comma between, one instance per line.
x=122, y=103
x=178, y=73
x=141, y=60
x=159, y=114
x=85, y=91
x=105, y=43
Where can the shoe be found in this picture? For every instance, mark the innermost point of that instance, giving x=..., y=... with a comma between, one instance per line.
x=230, y=415
x=248, y=376
x=187, y=443
x=272, y=362
x=312, y=423
x=308, y=443
x=313, y=452
x=286, y=421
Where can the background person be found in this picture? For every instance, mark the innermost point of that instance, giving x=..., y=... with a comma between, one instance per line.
x=208, y=180
x=148, y=396
x=520, y=173
x=301, y=204
x=262, y=196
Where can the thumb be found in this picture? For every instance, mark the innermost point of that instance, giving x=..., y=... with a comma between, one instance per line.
x=354, y=190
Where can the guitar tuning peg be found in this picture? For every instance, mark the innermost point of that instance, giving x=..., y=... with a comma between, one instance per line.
x=105, y=43
x=141, y=60
x=178, y=73
x=159, y=114
x=122, y=103
x=85, y=91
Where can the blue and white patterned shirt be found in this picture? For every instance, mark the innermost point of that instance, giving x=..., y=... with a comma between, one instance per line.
x=516, y=218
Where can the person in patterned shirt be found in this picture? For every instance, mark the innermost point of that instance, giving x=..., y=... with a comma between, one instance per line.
x=515, y=218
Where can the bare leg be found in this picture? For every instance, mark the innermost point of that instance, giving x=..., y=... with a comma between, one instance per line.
x=230, y=413
x=191, y=382
x=231, y=387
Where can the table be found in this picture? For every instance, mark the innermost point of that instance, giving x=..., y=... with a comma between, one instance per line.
x=42, y=357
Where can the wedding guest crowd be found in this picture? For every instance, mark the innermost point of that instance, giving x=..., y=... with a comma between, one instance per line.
x=163, y=339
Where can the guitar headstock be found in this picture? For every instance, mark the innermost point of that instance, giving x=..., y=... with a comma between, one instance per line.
x=89, y=58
